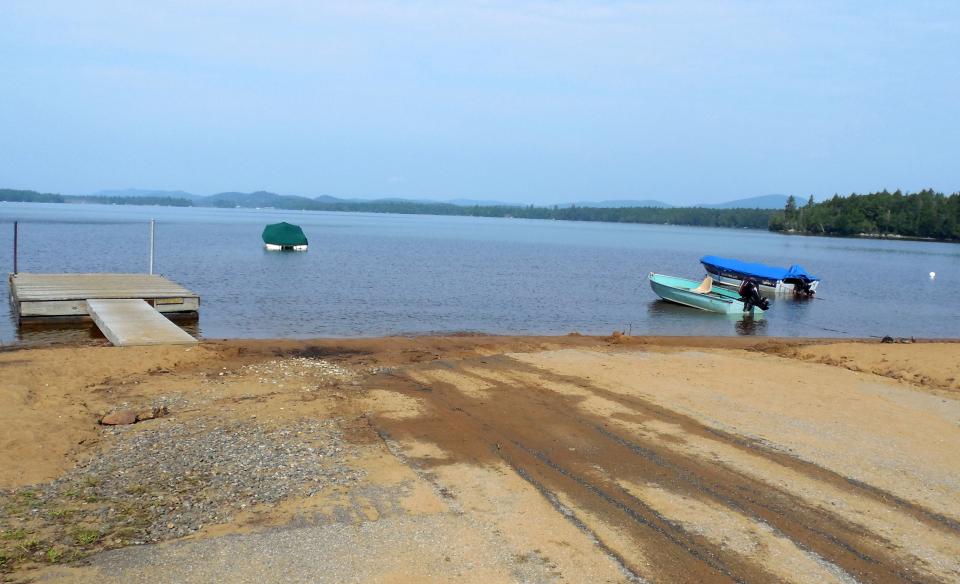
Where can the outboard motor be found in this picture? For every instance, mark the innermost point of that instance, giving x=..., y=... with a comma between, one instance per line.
x=802, y=288
x=750, y=296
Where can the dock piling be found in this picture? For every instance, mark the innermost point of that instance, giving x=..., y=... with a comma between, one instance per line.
x=152, y=222
x=16, y=226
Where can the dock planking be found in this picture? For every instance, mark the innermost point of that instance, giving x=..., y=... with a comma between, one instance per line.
x=130, y=321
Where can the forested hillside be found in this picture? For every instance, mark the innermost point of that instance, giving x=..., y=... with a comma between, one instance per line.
x=926, y=214
x=16, y=196
x=698, y=216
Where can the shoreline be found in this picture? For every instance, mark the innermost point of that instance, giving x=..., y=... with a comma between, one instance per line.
x=479, y=458
x=876, y=236
x=871, y=236
x=714, y=341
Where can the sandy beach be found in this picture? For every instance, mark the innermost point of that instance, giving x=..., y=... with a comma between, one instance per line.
x=483, y=459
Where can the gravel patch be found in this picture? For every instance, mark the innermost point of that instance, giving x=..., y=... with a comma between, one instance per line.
x=172, y=479
x=278, y=370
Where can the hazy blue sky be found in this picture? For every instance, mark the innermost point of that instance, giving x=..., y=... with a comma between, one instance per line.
x=524, y=101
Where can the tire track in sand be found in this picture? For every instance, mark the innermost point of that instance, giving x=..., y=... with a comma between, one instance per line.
x=575, y=457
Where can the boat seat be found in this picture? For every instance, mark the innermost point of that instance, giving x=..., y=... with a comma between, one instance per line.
x=704, y=286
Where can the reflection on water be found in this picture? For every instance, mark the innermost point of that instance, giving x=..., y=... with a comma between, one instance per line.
x=372, y=275
x=671, y=314
x=751, y=325
x=38, y=333
x=45, y=334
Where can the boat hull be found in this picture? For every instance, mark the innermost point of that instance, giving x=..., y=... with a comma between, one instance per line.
x=680, y=291
x=767, y=288
x=275, y=247
x=770, y=280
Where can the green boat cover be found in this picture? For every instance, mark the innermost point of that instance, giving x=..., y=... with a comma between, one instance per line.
x=284, y=234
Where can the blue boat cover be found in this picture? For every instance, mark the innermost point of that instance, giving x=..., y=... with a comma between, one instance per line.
x=763, y=271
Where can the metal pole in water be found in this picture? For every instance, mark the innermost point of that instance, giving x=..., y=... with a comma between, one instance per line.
x=152, y=222
x=16, y=225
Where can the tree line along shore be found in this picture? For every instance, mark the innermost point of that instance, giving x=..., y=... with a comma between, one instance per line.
x=923, y=215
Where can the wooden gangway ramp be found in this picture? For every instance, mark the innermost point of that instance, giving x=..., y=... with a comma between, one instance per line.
x=131, y=321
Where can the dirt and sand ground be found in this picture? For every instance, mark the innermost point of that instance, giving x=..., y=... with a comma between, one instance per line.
x=483, y=459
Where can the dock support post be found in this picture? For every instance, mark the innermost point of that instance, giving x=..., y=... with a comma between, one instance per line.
x=152, y=222
x=16, y=226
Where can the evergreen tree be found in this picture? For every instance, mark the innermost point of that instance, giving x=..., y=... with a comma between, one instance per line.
x=790, y=214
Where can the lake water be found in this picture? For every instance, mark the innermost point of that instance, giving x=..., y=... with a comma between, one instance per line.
x=376, y=274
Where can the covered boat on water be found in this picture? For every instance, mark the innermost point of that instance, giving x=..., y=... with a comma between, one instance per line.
x=771, y=279
x=284, y=236
x=707, y=296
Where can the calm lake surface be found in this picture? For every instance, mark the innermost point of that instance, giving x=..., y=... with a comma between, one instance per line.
x=375, y=274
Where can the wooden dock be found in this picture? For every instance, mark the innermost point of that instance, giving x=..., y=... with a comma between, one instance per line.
x=65, y=295
x=72, y=297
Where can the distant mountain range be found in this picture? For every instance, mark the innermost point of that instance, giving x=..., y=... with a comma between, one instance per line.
x=612, y=211
x=837, y=216
x=763, y=202
x=618, y=204
x=255, y=199
x=268, y=199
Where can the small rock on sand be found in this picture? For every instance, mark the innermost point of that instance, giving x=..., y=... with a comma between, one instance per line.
x=120, y=418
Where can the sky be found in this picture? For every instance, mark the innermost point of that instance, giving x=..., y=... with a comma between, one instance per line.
x=533, y=102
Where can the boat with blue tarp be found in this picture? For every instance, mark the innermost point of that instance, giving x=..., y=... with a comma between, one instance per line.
x=707, y=296
x=771, y=279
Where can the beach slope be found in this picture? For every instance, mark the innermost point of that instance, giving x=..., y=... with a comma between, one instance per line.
x=483, y=459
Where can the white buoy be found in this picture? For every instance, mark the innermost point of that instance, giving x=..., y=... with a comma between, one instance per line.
x=933, y=275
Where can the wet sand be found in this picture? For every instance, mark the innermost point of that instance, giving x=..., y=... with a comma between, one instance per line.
x=498, y=459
